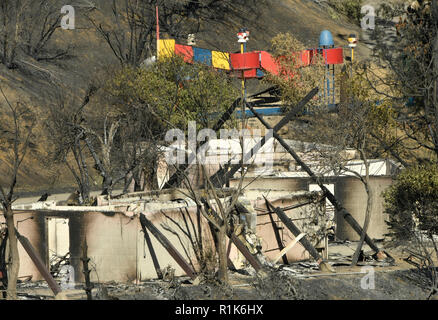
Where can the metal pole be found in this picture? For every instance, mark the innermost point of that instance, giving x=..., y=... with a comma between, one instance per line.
x=242, y=51
x=352, y=59
x=158, y=32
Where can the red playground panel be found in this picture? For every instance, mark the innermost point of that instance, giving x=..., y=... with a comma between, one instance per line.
x=306, y=58
x=334, y=56
x=268, y=63
x=185, y=51
x=245, y=61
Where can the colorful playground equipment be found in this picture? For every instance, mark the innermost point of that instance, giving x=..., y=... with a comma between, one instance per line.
x=256, y=64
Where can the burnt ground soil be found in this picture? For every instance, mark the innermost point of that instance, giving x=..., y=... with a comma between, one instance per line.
x=394, y=279
x=278, y=285
x=392, y=285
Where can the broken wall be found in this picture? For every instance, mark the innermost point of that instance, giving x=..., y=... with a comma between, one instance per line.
x=116, y=245
x=112, y=246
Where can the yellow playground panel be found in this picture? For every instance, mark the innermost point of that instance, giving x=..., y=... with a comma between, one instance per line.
x=221, y=60
x=167, y=48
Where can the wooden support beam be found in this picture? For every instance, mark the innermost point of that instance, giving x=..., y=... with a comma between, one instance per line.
x=168, y=246
x=230, y=263
x=295, y=231
x=244, y=250
x=152, y=252
x=239, y=245
x=177, y=177
x=288, y=248
x=277, y=236
x=38, y=263
x=224, y=174
x=339, y=208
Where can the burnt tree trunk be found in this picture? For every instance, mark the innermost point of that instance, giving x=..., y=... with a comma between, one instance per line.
x=369, y=191
x=14, y=265
x=222, y=254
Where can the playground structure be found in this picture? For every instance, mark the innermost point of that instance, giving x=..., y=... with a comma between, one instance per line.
x=257, y=64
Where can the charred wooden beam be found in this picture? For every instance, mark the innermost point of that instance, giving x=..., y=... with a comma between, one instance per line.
x=244, y=250
x=152, y=252
x=295, y=231
x=239, y=245
x=38, y=263
x=230, y=263
x=277, y=235
x=339, y=208
x=177, y=177
x=168, y=246
x=224, y=174
x=86, y=271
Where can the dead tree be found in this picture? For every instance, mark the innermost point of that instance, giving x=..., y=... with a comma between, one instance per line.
x=409, y=82
x=67, y=138
x=28, y=27
x=17, y=139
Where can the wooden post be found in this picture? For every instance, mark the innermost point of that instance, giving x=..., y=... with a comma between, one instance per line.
x=288, y=247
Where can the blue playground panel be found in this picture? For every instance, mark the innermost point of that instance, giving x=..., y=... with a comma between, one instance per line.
x=277, y=111
x=203, y=56
x=265, y=112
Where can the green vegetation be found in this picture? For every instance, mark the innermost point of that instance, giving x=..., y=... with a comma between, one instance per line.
x=412, y=202
x=412, y=206
x=173, y=92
